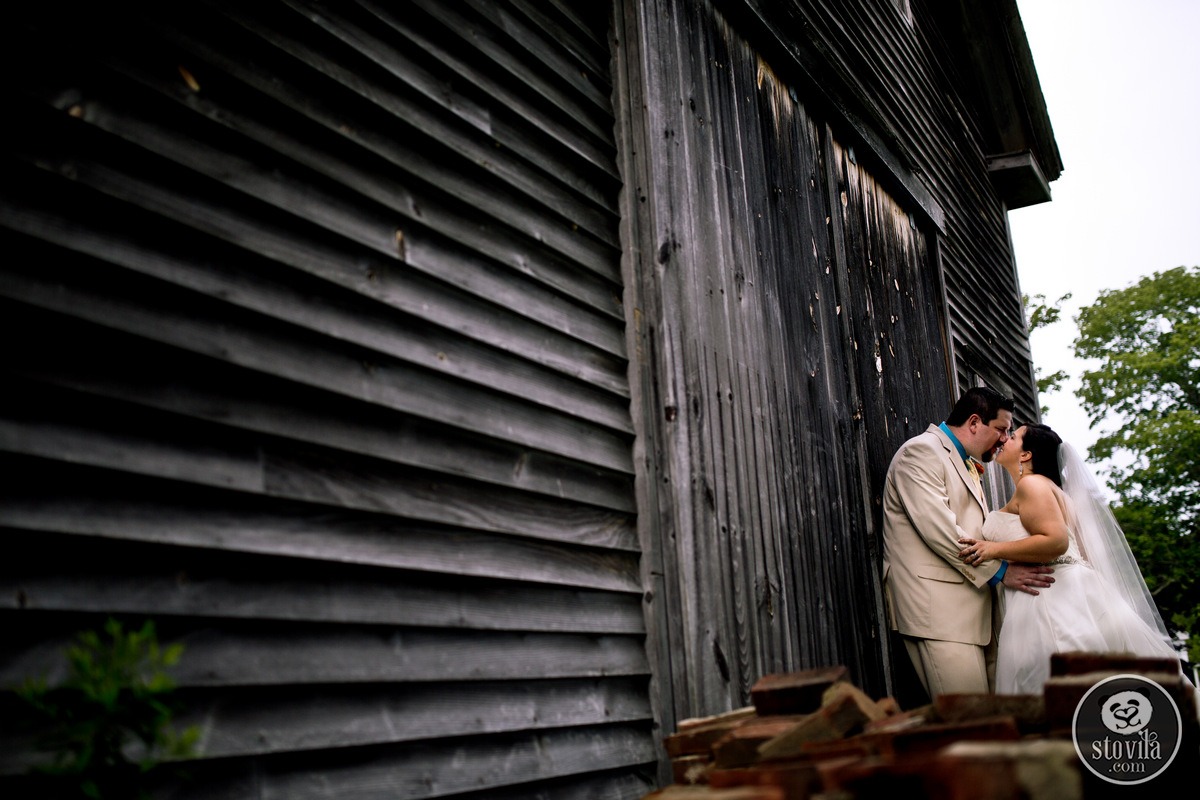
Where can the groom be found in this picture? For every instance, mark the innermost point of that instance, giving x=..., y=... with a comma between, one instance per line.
x=932, y=497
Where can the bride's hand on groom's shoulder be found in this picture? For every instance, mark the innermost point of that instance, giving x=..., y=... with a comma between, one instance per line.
x=1028, y=577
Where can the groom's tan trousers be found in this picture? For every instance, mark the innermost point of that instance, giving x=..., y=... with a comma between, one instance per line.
x=949, y=667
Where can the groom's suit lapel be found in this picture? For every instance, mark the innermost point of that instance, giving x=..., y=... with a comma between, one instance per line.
x=974, y=487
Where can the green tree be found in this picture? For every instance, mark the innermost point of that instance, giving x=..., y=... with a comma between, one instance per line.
x=1146, y=340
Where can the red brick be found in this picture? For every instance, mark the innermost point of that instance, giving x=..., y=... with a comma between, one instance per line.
x=794, y=692
x=843, y=692
x=690, y=769
x=854, y=747
x=844, y=711
x=797, y=779
x=1035, y=768
x=1029, y=710
x=1079, y=663
x=982, y=770
x=914, y=733
x=697, y=736
x=889, y=706
x=923, y=715
x=1064, y=693
x=879, y=777
x=829, y=769
x=817, y=727
x=676, y=792
x=930, y=738
x=740, y=746
x=737, y=715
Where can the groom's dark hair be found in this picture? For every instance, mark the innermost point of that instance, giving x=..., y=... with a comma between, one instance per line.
x=1042, y=443
x=981, y=400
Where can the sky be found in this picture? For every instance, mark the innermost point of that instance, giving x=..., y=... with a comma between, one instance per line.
x=1122, y=87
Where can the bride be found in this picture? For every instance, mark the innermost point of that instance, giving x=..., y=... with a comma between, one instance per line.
x=1099, y=601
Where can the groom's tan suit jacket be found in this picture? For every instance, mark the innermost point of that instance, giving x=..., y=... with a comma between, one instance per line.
x=930, y=500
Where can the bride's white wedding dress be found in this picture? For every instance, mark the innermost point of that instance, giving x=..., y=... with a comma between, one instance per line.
x=1081, y=611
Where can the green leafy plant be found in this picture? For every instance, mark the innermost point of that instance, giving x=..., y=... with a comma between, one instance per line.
x=1144, y=341
x=109, y=722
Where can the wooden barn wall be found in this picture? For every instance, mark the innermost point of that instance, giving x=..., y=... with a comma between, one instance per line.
x=889, y=65
x=786, y=339
x=316, y=357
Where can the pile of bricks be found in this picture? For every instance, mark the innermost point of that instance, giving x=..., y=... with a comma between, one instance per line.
x=814, y=734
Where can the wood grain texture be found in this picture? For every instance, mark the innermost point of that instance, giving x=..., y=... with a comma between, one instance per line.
x=235, y=723
x=69, y=355
x=143, y=511
x=431, y=771
x=777, y=274
x=207, y=327
x=162, y=447
x=182, y=583
x=907, y=81
x=280, y=722
x=549, y=764
x=476, y=389
x=274, y=655
x=324, y=371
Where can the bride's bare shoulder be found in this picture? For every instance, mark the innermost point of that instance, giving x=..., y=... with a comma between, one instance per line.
x=1036, y=489
x=1036, y=484
x=1039, y=493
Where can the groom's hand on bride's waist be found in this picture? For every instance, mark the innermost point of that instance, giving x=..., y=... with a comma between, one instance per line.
x=1028, y=577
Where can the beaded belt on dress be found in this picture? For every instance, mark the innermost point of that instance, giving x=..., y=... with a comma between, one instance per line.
x=1065, y=559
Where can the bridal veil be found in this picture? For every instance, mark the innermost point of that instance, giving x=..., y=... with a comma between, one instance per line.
x=1102, y=542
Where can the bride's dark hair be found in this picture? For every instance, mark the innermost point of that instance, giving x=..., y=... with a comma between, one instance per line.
x=1042, y=444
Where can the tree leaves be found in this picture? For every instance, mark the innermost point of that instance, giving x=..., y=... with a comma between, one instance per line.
x=1146, y=341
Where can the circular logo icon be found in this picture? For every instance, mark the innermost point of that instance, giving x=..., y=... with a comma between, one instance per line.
x=1126, y=729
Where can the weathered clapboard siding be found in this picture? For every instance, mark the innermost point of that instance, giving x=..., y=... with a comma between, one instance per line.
x=789, y=317
x=120, y=508
x=323, y=367
x=819, y=260
x=324, y=361
x=202, y=583
x=585, y=765
x=904, y=79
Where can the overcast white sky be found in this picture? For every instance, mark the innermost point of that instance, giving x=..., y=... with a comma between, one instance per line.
x=1122, y=84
